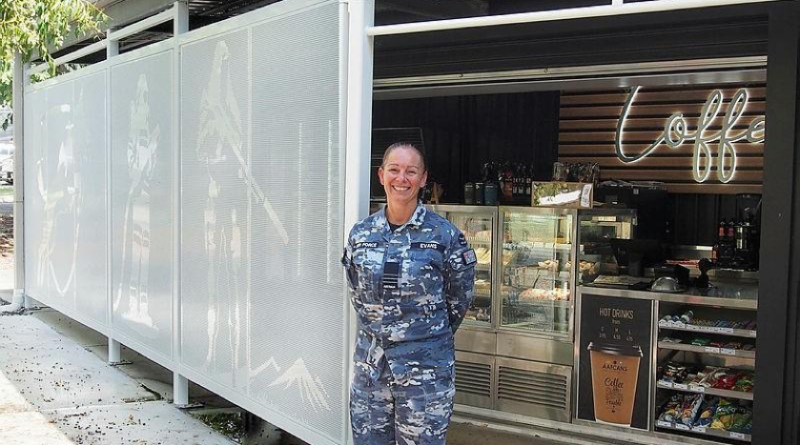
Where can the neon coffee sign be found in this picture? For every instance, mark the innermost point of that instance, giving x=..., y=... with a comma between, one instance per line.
x=676, y=132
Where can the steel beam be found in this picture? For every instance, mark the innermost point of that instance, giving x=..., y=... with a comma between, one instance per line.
x=615, y=9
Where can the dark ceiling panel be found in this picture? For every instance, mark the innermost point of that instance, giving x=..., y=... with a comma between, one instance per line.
x=688, y=34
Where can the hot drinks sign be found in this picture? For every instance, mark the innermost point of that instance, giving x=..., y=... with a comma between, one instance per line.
x=706, y=142
x=614, y=361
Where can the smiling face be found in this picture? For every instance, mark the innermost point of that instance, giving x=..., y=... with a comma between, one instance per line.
x=402, y=175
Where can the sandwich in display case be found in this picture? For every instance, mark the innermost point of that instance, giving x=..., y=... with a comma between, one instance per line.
x=536, y=272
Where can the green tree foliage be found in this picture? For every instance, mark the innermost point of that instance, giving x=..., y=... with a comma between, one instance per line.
x=34, y=27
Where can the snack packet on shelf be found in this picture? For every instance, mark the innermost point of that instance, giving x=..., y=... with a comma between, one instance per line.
x=671, y=340
x=671, y=409
x=744, y=382
x=712, y=376
x=673, y=372
x=690, y=410
x=742, y=421
x=727, y=381
x=724, y=416
x=733, y=345
x=707, y=412
x=695, y=379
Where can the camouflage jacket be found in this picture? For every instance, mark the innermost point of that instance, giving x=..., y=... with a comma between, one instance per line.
x=410, y=289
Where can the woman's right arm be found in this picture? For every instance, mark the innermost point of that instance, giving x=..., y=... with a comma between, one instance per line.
x=351, y=275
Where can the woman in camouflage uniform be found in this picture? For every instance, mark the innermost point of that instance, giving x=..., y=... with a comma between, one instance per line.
x=410, y=274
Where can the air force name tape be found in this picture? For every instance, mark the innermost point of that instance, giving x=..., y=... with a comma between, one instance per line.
x=367, y=245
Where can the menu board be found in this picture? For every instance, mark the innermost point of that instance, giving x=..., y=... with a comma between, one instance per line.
x=614, y=365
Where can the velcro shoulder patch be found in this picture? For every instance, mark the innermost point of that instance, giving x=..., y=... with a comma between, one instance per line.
x=469, y=257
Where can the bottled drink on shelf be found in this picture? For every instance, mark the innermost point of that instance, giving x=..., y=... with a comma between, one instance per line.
x=730, y=232
x=506, y=181
x=528, y=180
x=720, y=240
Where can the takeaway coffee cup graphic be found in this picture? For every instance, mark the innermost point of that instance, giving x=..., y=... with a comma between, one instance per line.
x=615, y=371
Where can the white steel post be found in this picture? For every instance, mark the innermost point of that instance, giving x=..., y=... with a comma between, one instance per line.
x=180, y=390
x=358, y=136
x=114, y=347
x=18, y=102
x=180, y=384
x=181, y=20
x=359, y=113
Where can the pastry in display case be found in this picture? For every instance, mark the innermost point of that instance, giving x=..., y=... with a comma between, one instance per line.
x=536, y=272
x=477, y=225
x=596, y=229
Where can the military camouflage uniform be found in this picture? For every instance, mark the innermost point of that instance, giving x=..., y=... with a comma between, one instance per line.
x=410, y=289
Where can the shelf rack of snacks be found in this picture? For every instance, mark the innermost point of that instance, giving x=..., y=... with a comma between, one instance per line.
x=705, y=375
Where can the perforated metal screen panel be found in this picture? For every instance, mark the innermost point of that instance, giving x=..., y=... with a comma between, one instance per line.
x=35, y=107
x=260, y=200
x=261, y=205
x=142, y=200
x=296, y=287
x=214, y=207
x=67, y=195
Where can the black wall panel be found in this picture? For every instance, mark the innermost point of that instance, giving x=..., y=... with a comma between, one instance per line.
x=462, y=133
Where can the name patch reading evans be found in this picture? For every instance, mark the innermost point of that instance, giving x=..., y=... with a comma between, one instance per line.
x=431, y=246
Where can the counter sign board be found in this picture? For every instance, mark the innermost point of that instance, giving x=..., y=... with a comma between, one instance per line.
x=615, y=348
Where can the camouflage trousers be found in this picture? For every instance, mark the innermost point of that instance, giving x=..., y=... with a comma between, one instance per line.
x=388, y=412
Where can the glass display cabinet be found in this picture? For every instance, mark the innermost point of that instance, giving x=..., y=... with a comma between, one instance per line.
x=515, y=350
x=477, y=224
x=536, y=274
x=596, y=229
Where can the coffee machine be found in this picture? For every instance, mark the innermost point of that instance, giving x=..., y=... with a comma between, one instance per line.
x=747, y=230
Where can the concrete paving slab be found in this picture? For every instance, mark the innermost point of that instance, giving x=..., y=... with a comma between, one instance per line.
x=30, y=428
x=146, y=423
x=468, y=434
x=15, y=328
x=77, y=332
x=58, y=373
x=11, y=401
x=6, y=278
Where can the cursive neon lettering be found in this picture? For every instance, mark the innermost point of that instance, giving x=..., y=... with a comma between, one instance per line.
x=676, y=132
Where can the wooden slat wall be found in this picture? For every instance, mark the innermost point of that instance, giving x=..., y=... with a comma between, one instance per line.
x=588, y=122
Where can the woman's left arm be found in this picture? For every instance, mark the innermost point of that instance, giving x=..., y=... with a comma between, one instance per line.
x=459, y=279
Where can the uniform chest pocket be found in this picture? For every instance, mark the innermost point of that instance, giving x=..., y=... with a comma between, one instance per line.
x=423, y=277
x=368, y=261
x=426, y=259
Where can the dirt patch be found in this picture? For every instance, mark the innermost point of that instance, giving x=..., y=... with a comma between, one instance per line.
x=6, y=242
